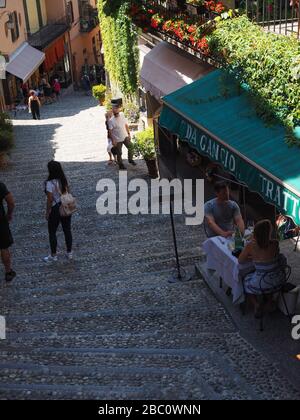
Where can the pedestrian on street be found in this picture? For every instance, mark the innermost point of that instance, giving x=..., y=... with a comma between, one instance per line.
x=55, y=186
x=86, y=84
x=57, y=88
x=34, y=105
x=120, y=134
x=6, y=239
x=111, y=150
x=25, y=91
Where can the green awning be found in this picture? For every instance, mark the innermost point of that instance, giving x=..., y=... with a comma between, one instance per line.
x=217, y=117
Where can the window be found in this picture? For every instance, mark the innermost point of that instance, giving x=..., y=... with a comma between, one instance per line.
x=70, y=12
x=15, y=32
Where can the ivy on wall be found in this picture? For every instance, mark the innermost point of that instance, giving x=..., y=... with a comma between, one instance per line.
x=120, y=43
x=267, y=64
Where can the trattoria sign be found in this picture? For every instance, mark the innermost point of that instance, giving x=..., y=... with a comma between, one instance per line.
x=242, y=169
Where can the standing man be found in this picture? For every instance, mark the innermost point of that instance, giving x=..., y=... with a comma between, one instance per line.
x=6, y=239
x=120, y=134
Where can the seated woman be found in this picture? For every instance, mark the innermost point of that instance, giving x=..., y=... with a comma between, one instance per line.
x=268, y=275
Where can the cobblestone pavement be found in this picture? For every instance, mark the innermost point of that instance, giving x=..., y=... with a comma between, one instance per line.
x=109, y=325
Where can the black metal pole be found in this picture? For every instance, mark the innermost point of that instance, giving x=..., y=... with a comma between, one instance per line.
x=179, y=275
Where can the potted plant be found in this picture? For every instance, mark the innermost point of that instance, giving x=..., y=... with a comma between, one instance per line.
x=143, y=145
x=6, y=137
x=99, y=93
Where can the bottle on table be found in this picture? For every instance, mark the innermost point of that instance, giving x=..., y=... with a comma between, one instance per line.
x=238, y=239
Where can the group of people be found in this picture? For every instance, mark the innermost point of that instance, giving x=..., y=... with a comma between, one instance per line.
x=222, y=215
x=118, y=134
x=33, y=97
x=56, y=185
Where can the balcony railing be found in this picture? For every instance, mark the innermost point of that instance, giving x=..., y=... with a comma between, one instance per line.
x=52, y=30
x=278, y=16
x=88, y=16
x=87, y=24
x=143, y=11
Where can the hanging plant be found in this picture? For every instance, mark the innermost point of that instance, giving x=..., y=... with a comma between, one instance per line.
x=268, y=64
x=120, y=43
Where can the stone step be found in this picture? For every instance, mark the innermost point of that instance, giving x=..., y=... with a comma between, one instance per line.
x=102, y=299
x=163, y=318
x=77, y=392
x=151, y=378
x=203, y=369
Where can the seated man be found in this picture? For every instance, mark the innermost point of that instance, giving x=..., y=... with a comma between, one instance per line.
x=222, y=214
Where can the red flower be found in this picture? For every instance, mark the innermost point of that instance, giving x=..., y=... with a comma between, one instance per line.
x=154, y=23
x=192, y=29
x=202, y=45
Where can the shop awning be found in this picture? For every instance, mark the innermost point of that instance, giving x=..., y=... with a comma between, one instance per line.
x=25, y=61
x=217, y=117
x=165, y=70
x=54, y=53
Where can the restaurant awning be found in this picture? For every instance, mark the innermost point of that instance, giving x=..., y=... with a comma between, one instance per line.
x=217, y=117
x=165, y=70
x=25, y=61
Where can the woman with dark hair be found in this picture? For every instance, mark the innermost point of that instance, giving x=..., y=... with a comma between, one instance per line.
x=34, y=105
x=55, y=186
x=265, y=254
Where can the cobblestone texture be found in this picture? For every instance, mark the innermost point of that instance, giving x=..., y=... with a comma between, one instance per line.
x=109, y=325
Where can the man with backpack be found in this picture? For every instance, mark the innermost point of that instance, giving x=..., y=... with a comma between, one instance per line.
x=6, y=239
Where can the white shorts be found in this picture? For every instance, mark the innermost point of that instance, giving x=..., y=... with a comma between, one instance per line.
x=109, y=145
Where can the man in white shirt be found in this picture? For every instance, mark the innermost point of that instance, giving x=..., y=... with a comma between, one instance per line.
x=120, y=134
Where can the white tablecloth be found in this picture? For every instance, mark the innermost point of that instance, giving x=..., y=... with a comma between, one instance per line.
x=220, y=259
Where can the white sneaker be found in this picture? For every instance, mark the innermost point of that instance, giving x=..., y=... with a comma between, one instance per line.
x=50, y=259
x=69, y=256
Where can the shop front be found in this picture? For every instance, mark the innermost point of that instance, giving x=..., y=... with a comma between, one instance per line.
x=217, y=119
x=57, y=63
x=23, y=67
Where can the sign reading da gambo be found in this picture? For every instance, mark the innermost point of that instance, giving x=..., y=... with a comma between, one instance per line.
x=285, y=200
x=208, y=146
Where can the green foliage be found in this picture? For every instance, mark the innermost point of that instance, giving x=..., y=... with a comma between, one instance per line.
x=120, y=42
x=132, y=112
x=99, y=92
x=143, y=144
x=6, y=133
x=267, y=64
x=107, y=103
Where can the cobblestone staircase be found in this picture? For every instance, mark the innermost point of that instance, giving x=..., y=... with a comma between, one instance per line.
x=109, y=325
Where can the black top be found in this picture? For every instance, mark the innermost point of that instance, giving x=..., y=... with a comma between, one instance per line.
x=3, y=193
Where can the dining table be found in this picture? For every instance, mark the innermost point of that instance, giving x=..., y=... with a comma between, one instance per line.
x=220, y=259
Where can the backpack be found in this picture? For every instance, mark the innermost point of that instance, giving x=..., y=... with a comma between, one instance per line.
x=68, y=203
